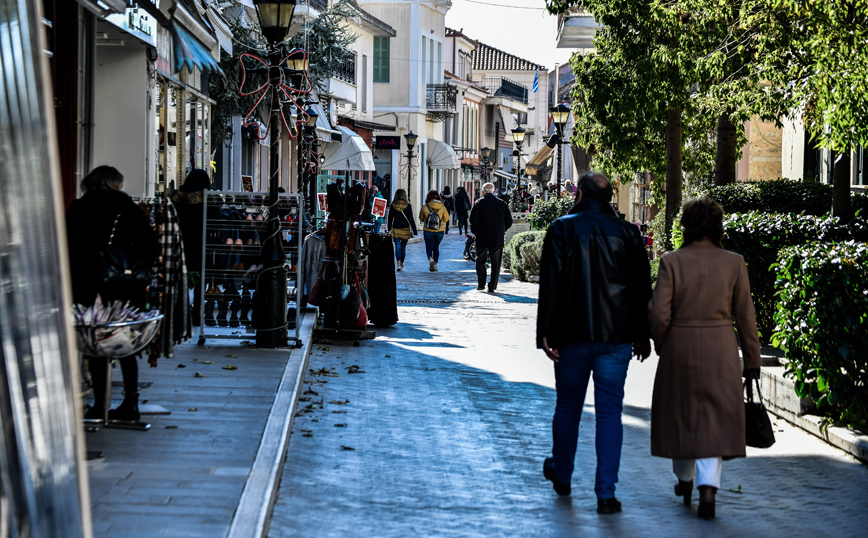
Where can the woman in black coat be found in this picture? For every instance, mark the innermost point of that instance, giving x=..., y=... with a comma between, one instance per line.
x=402, y=225
x=449, y=204
x=189, y=202
x=462, y=207
x=89, y=223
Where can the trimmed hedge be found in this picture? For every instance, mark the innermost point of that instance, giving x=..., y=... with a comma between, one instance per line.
x=822, y=326
x=545, y=212
x=759, y=237
x=514, y=255
x=781, y=196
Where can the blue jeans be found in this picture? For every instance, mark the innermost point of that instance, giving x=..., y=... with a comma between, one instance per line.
x=432, y=244
x=400, y=249
x=608, y=363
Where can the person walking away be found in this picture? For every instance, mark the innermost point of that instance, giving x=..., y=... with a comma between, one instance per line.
x=462, y=208
x=489, y=220
x=434, y=217
x=189, y=202
x=378, y=221
x=105, y=213
x=595, y=284
x=697, y=409
x=449, y=204
x=401, y=224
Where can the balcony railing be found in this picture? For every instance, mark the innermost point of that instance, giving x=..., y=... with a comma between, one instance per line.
x=503, y=87
x=346, y=71
x=319, y=5
x=441, y=97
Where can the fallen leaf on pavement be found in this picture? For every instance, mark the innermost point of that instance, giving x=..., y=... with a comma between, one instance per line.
x=340, y=425
x=311, y=391
x=338, y=411
x=304, y=399
x=338, y=402
x=171, y=427
x=307, y=434
x=181, y=365
x=354, y=369
x=197, y=374
x=193, y=409
x=207, y=362
x=231, y=356
x=345, y=447
x=230, y=367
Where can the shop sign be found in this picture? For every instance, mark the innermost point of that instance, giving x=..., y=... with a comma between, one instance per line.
x=388, y=142
x=136, y=22
x=165, y=50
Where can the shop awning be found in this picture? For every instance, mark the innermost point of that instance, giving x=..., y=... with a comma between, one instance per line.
x=441, y=156
x=189, y=52
x=539, y=161
x=351, y=154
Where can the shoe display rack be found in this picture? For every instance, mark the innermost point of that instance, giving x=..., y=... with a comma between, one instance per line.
x=234, y=231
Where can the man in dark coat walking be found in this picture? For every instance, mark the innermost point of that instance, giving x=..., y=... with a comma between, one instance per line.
x=489, y=220
x=595, y=284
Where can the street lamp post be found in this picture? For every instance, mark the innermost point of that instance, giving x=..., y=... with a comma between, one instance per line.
x=560, y=114
x=486, y=161
x=275, y=16
x=307, y=178
x=518, y=137
x=410, y=138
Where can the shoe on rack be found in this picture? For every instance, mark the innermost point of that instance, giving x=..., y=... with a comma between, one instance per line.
x=432, y=265
x=127, y=411
x=549, y=472
x=684, y=489
x=706, y=502
x=608, y=506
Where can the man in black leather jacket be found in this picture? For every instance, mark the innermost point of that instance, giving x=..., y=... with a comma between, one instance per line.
x=595, y=284
x=489, y=220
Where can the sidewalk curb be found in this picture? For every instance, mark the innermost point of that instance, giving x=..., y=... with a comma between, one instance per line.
x=253, y=513
x=781, y=400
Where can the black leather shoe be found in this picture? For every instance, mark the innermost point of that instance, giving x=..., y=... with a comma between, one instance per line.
x=480, y=288
x=549, y=473
x=608, y=506
x=685, y=490
x=706, y=502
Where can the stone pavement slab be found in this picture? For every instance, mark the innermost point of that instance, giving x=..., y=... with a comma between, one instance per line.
x=185, y=477
x=443, y=430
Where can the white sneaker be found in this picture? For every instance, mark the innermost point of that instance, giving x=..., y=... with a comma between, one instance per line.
x=432, y=265
x=400, y=266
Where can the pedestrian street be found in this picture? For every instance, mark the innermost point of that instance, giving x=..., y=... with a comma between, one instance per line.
x=439, y=427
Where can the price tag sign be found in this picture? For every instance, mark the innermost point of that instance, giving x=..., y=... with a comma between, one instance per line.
x=322, y=202
x=379, y=207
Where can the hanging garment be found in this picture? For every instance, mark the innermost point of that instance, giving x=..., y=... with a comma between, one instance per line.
x=382, y=288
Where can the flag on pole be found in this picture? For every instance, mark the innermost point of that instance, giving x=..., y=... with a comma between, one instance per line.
x=536, y=81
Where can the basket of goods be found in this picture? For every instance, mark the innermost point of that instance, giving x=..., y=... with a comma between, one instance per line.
x=114, y=329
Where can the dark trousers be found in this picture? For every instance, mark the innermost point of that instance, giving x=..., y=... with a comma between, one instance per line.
x=484, y=254
x=99, y=366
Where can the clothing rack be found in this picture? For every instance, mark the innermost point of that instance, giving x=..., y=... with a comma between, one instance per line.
x=234, y=230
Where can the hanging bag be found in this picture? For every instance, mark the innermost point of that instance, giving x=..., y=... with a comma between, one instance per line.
x=758, y=427
x=124, y=275
x=432, y=222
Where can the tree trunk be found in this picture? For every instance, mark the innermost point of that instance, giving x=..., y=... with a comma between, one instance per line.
x=724, y=162
x=841, y=185
x=673, y=170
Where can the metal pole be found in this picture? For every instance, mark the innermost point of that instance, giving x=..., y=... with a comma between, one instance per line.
x=560, y=157
x=271, y=285
x=409, y=173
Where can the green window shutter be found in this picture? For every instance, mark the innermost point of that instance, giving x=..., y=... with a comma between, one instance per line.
x=381, y=59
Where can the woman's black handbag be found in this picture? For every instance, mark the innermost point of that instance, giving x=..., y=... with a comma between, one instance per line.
x=758, y=427
x=125, y=276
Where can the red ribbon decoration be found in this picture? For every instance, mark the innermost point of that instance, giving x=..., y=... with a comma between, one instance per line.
x=284, y=91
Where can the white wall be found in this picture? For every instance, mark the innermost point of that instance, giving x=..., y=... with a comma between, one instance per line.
x=792, y=149
x=123, y=124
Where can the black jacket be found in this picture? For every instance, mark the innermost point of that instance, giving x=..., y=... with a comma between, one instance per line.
x=489, y=220
x=190, y=206
x=595, y=280
x=89, y=222
x=401, y=218
x=462, y=202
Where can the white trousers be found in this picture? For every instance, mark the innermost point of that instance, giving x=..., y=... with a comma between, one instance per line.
x=706, y=470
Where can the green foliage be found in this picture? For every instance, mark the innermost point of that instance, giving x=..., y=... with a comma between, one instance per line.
x=531, y=254
x=545, y=212
x=326, y=40
x=822, y=326
x=781, y=196
x=655, y=269
x=513, y=255
x=759, y=237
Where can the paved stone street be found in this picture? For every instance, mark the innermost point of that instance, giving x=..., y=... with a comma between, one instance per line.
x=443, y=430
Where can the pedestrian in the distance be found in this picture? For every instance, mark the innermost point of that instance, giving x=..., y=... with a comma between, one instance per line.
x=568, y=187
x=697, y=411
x=401, y=224
x=462, y=208
x=433, y=217
x=189, y=202
x=595, y=284
x=449, y=204
x=489, y=220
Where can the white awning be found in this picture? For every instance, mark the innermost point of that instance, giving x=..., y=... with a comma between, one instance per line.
x=351, y=154
x=539, y=161
x=441, y=156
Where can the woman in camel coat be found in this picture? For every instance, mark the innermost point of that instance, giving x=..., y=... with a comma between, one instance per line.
x=697, y=412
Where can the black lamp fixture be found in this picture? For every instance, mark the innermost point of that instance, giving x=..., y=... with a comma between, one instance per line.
x=560, y=115
x=518, y=135
x=275, y=17
x=311, y=117
x=411, y=141
x=486, y=153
